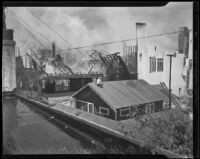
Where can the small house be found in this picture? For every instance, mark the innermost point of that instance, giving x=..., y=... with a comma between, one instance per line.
x=117, y=99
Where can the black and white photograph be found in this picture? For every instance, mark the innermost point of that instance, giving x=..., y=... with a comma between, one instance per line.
x=98, y=80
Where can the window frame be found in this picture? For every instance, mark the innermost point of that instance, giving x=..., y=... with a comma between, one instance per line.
x=84, y=102
x=165, y=104
x=124, y=109
x=152, y=64
x=104, y=109
x=149, y=107
x=160, y=64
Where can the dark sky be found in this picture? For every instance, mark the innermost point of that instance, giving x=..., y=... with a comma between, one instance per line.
x=87, y=26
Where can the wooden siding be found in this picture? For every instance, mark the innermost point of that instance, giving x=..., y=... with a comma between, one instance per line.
x=119, y=117
x=141, y=108
x=90, y=96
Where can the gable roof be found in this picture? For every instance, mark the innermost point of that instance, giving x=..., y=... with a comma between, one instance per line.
x=118, y=94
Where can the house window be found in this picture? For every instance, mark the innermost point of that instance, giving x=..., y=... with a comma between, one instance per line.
x=166, y=104
x=190, y=64
x=67, y=103
x=160, y=64
x=104, y=111
x=124, y=112
x=150, y=108
x=85, y=106
x=152, y=64
x=65, y=84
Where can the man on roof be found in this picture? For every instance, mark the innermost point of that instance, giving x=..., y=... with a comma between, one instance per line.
x=99, y=82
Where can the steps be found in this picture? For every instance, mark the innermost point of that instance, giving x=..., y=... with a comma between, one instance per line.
x=165, y=90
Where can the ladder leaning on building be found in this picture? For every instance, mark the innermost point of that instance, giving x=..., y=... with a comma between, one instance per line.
x=165, y=90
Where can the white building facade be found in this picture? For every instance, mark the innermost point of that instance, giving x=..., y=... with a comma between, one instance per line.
x=154, y=65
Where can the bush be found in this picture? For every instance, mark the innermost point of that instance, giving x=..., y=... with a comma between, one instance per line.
x=173, y=133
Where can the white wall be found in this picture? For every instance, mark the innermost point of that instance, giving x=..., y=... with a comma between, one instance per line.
x=8, y=66
x=154, y=77
x=190, y=56
x=142, y=50
x=177, y=81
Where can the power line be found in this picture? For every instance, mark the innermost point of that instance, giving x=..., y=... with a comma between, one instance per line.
x=108, y=43
x=29, y=26
x=24, y=25
x=19, y=18
x=35, y=38
x=113, y=42
x=35, y=31
x=48, y=26
x=52, y=29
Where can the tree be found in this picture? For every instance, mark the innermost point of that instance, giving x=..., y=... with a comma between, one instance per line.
x=171, y=130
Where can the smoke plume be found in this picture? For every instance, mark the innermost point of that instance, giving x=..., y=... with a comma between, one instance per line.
x=82, y=26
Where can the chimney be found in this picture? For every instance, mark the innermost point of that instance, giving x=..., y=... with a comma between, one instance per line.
x=140, y=30
x=183, y=41
x=142, y=51
x=53, y=50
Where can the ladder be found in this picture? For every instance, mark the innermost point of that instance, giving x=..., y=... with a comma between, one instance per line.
x=165, y=90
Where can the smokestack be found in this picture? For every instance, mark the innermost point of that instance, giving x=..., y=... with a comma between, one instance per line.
x=53, y=50
x=142, y=51
x=183, y=41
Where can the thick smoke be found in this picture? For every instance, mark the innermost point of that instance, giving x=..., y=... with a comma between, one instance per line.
x=82, y=26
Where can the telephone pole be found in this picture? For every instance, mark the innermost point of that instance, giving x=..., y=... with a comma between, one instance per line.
x=170, y=69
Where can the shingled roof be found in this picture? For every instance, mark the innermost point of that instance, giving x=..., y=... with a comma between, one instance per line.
x=125, y=93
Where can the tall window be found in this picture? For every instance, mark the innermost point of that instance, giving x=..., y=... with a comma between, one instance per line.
x=150, y=108
x=152, y=64
x=159, y=64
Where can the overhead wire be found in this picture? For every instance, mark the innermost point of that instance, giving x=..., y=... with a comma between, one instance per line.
x=99, y=44
x=24, y=23
x=125, y=40
x=52, y=29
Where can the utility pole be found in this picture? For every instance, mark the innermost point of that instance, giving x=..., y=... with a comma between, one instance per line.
x=170, y=69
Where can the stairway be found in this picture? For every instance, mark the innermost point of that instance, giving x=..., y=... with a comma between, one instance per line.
x=165, y=90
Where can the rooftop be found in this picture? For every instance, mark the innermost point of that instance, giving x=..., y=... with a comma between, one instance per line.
x=125, y=93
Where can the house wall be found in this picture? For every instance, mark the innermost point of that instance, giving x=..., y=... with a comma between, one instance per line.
x=177, y=80
x=89, y=96
x=8, y=62
x=178, y=83
x=142, y=50
x=190, y=56
x=141, y=110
